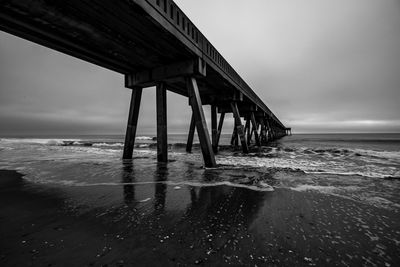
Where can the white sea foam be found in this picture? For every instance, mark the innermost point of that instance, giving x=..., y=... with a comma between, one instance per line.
x=316, y=165
x=143, y=146
x=144, y=138
x=41, y=141
x=108, y=144
x=331, y=151
x=319, y=188
x=369, y=174
x=351, y=193
x=263, y=187
x=87, y=150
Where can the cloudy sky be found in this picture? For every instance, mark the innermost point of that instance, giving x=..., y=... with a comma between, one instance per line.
x=320, y=65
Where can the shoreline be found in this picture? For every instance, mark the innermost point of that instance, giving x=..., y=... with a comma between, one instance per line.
x=210, y=226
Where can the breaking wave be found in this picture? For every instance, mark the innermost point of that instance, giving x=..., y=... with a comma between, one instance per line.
x=338, y=161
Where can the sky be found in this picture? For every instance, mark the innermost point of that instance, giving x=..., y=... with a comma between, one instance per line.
x=321, y=66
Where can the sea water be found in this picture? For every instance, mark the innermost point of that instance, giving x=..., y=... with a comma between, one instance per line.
x=360, y=167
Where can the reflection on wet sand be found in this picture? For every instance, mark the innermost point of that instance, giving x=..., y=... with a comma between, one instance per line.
x=160, y=193
x=197, y=222
x=224, y=203
x=127, y=180
x=217, y=218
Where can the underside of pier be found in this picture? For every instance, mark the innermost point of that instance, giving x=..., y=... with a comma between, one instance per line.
x=152, y=43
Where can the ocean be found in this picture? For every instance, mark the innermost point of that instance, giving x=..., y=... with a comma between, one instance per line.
x=303, y=200
x=362, y=167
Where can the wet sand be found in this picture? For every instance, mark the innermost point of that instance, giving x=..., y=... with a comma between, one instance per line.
x=162, y=225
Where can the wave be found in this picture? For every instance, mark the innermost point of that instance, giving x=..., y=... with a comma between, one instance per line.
x=67, y=141
x=335, y=152
x=315, y=165
x=40, y=141
x=142, y=145
x=311, y=160
x=264, y=152
x=319, y=188
x=145, y=138
x=379, y=154
x=369, y=174
x=117, y=144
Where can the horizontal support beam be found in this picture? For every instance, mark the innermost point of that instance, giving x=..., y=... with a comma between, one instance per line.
x=243, y=108
x=237, y=96
x=147, y=78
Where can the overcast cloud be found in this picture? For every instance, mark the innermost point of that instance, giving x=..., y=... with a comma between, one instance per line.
x=320, y=65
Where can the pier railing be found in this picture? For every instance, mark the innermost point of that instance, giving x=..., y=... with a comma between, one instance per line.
x=186, y=31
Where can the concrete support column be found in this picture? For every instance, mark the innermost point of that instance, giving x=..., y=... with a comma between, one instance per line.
x=200, y=121
x=239, y=127
x=162, y=135
x=214, y=130
x=192, y=128
x=132, y=123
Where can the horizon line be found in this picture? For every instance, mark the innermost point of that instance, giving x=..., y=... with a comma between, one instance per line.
x=155, y=134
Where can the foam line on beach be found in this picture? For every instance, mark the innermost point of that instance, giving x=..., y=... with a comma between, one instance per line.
x=340, y=191
x=263, y=187
x=361, y=174
x=319, y=188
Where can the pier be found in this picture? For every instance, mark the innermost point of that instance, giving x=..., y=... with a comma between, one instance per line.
x=153, y=44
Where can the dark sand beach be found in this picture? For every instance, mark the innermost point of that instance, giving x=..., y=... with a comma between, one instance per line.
x=213, y=226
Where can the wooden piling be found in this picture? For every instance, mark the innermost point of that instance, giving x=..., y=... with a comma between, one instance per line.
x=200, y=121
x=132, y=123
x=162, y=136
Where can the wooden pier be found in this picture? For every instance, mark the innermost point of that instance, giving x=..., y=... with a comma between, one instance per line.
x=152, y=43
